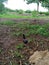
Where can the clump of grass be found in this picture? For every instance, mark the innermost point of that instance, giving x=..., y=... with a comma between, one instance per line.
x=30, y=40
x=7, y=23
x=35, y=14
x=18, y=54
x=0, y=50
x=20, y=46
x=17, y=33
x=42, y=31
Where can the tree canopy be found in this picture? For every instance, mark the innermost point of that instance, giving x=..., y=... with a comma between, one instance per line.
x=2, y=5
x=36, y=1
x=46, y=4
x=2, y=1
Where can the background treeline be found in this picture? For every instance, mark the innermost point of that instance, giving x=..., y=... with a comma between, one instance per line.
x=7, y=10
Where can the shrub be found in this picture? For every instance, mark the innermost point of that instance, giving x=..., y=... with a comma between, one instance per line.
x=27, y=11
x=45, y=13
x=34, y=13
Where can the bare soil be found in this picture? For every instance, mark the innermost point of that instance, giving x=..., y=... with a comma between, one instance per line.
x=8, y=44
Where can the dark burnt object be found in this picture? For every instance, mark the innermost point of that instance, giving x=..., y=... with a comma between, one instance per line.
x=25, y=41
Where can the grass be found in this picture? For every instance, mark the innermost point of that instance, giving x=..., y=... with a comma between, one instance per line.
x=13, y=16
x=20, y=46
x=27, y=28
x=10, y=23
x=18, y=54
x=0, y=50
x=23, y=16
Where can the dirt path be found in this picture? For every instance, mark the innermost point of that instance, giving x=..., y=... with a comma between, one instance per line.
x=40, y=21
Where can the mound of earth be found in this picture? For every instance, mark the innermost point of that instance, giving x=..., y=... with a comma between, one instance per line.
x=40, y=58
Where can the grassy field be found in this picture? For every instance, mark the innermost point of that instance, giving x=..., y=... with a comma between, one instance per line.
x=13, y=16
x=23, y=16
x=12, y=49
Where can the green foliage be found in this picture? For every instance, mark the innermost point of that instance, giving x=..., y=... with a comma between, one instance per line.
x=29, y=29
x=2, y=1
x=13, y=16
x=19, y=11
x=9, y=10
x=0, y=50
x=45, y=13
x=41, y=12
x=16, y=10
x=18, y=54
x=28, y=11
x=35, y=13
x=30, y=40
x=45, y=3
x=7, y=23
x=35, y=1
x=42, y=31
x=30, y=1
x=20, y=46
x=33, y=29
x=1, y=8
x=19, y=33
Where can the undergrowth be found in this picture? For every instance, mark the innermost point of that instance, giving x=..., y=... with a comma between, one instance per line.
x=27, y=28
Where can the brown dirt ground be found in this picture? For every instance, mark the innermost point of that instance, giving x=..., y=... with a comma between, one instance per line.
x=8, y=43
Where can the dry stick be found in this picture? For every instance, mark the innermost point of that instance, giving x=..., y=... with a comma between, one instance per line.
x=20, y=62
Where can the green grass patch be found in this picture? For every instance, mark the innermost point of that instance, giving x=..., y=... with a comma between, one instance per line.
x=7, y=23
x=27, y=28
x=20, y=46
x=34, y=15
x=30, y=29
x=18, y=55
x=13, y=16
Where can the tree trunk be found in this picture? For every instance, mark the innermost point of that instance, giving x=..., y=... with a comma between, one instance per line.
x=37, y=6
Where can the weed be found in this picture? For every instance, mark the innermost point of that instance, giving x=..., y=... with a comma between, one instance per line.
x=17, y=33
x=20, y=46
x=18, y=54
x=30, y=40
x=0, y=50
x=7, y=23
x=43, y=31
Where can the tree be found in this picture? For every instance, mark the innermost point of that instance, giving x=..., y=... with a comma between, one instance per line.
x=35, y=1
x=2, y=5
x=1, y=1
x=46, y=4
